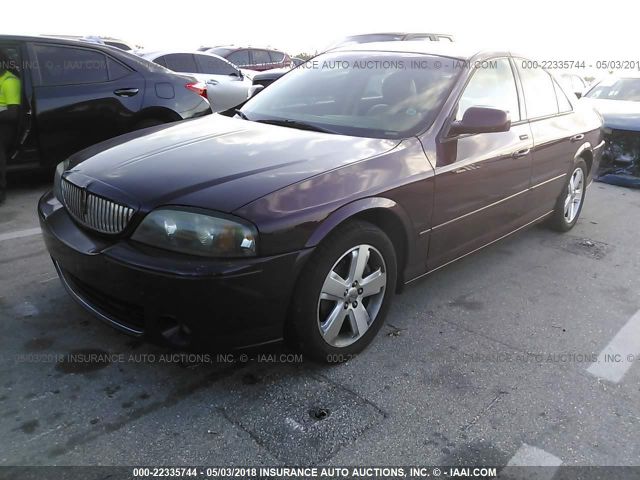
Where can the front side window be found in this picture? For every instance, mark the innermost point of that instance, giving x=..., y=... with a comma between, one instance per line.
x=70, y=66
x=539, y=92
x=380, y=95
x=492, y=85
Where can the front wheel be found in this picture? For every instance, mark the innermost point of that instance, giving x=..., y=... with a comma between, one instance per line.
x=344, y=293
x=569, y=204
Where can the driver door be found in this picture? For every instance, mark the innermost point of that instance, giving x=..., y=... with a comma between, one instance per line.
x=481, y=179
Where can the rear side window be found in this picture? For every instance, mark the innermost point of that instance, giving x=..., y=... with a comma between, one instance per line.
x=60, y=65
x=492, y=86
x=116, y=69
x=539, y=92
x=261, y=57
x=563, y=102
x=213, y=66
x=180, y=62
x=239, y=58
x=276, y=57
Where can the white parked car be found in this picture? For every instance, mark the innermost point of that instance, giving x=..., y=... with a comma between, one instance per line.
x=227, y=86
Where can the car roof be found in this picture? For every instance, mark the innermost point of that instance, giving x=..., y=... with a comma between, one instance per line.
x=366, y=34
x=249, y=47
x=35, y=38
x=446, y=49
x=159, y=53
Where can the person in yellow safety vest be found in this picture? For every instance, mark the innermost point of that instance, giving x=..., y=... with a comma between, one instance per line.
x=10, y=99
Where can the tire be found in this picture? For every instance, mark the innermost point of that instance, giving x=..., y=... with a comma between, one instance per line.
x=147, y=123
x=569, y=204
x=331, y=291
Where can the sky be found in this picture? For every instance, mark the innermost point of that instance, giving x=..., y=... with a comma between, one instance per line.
x=563, y=30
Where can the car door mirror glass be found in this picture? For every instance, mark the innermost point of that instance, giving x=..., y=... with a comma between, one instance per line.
x=481, y=120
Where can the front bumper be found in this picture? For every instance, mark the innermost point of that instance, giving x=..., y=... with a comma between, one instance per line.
x=171, y=298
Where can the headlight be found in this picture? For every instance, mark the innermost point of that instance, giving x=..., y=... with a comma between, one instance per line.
x=197, y=233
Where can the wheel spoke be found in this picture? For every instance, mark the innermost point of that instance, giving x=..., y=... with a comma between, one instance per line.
x=374, y=283
x=334, y=287
x=567, y=205
x=359, y=259
x=361, y=318
x=331, y=328
x=572, y=207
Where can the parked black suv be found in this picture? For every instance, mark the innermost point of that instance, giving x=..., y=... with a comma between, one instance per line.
x=76, y=94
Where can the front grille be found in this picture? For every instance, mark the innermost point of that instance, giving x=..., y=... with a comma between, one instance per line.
x=93, y=211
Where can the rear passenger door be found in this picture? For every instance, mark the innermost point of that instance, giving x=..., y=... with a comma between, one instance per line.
x=82, y=96
x=481, y=179
x=553, y=125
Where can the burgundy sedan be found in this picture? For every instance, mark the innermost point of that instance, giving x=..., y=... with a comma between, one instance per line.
x=302, y=216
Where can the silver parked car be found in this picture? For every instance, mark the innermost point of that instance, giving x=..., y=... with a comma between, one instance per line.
x=227, y=85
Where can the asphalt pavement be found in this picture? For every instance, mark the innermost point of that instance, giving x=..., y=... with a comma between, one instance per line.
x=496, y=358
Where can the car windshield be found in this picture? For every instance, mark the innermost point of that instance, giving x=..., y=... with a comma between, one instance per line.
x=367, y=94
x=617, y=89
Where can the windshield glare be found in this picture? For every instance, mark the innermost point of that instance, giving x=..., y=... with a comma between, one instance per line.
x=379, y=95
x=617, y=89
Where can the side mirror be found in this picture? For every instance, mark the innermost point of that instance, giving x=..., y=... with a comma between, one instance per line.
x=254, y=90
x=578, y=94
x=481, y=120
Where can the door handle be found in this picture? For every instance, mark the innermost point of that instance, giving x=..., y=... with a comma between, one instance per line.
x=212, y=82
x=521, y=153
x=126, y=92
x=577, y=138
x=524, y=137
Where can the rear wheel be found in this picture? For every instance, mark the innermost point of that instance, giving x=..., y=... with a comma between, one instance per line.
x=569, y=204
x=344, y=293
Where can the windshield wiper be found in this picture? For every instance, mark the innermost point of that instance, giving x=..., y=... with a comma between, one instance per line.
x=296, y=124
x=241, y=114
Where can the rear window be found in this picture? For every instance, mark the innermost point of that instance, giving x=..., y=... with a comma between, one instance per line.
x=60, y=65
x=180, y=62
x=214, y=66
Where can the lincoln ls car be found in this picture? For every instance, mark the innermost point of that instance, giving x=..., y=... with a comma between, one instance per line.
x=300, y=215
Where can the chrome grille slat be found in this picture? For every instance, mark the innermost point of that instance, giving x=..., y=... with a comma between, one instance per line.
x=100, y=214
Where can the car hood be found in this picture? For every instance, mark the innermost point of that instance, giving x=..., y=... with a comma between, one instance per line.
x=617, y=114
x=215, y=162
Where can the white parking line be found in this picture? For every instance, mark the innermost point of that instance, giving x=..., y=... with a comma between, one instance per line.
x=19, y=234
x=617, y=357
x=528, y=456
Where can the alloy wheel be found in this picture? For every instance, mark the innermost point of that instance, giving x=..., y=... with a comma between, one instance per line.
x=575, y=194
x=351, y=296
